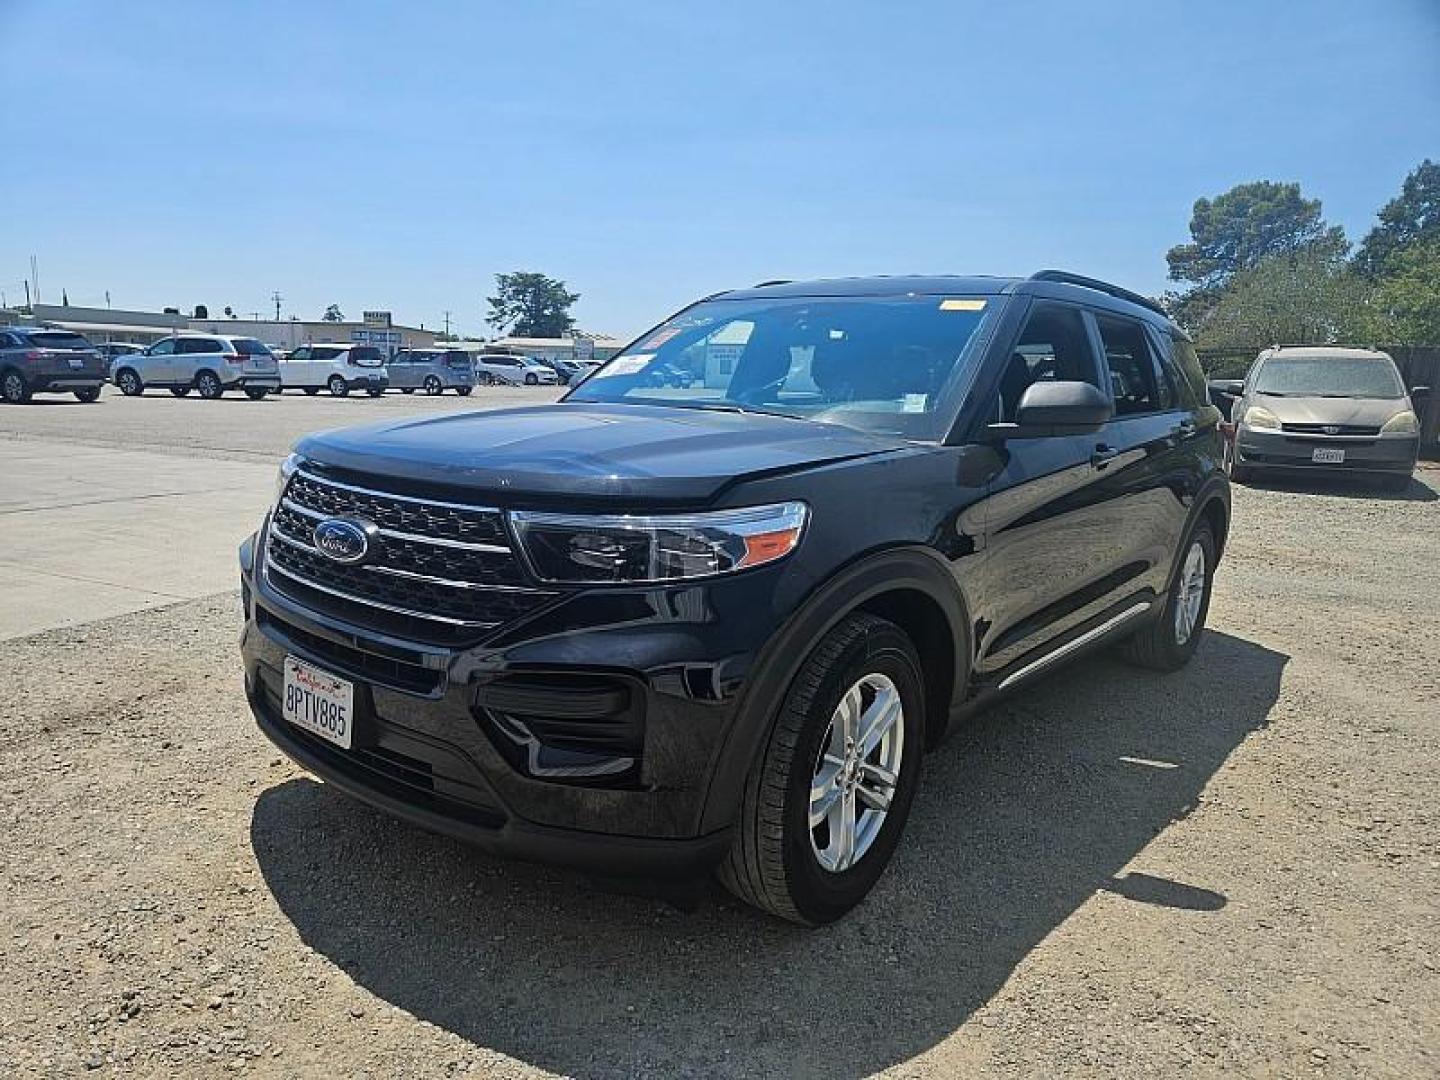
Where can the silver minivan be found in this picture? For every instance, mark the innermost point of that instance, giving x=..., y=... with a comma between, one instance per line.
x=209, y=364
x=432, y=370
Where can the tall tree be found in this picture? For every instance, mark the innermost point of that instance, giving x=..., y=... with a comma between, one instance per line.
x=333, y=314
x=528, y=304
x=1248, y=223
x=1407, y=298
x=1305, y=297
x=1412, y=217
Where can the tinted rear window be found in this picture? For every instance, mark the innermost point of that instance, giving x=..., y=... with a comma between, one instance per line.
x=457, y=360
x=59, y=339
x=250, y=347
x=366, y=356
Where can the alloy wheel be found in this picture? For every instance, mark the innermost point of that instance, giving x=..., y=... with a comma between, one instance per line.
x=1190, y=593
x=856, y=771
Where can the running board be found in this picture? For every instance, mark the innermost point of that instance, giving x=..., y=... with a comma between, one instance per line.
x=1071, y=646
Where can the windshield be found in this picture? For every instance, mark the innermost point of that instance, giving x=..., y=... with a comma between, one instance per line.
x=59, y=340
x=876, y=363
x=1328, y=376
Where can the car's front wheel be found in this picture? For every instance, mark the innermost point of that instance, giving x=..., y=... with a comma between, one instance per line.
x=1168, y=642
x=14, y=388
x=824, y=807
x=208, y=385
x=433, y=386
x=88, y=394
x=337, y=386
x=129, y=382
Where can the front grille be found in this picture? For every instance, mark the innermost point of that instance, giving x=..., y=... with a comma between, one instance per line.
x=436, y=571
x=1329, y=429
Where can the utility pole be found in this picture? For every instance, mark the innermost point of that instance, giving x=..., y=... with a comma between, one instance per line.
x=35, y=277
x=277, y=298
x=447, y=323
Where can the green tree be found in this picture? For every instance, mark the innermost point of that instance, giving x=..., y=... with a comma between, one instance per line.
x=1305, y=297
x=1248, y=223
x=333, y=314
x=1412, y=217
x=1406, y=302
x=531, y=305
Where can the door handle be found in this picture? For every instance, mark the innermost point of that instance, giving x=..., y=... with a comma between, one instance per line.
x=1103, y=455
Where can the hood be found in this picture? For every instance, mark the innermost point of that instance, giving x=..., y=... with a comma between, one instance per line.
x=633, y=453
x=1362, y=412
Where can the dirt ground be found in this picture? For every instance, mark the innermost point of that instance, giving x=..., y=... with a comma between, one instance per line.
x=1235, y=869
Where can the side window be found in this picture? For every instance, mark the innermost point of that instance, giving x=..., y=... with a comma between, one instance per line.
x=164, y=347
x=302, y=353
x=1053, y=346
x=322, y=353
x=190, y=346
x=1135, y=377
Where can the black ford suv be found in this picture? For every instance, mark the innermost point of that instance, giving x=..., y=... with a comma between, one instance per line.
x=710, y=608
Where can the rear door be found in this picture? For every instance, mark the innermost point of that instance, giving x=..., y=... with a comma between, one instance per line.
x=1146, y=456
x=196, y=354
x=1042, y=573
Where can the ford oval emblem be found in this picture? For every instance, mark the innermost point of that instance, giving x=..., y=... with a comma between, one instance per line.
x=343, y=540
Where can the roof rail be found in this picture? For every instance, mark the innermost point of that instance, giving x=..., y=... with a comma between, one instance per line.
x=777, y=281
x=1064, y=277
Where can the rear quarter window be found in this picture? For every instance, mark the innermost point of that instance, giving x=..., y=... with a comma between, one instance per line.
x=251, y=347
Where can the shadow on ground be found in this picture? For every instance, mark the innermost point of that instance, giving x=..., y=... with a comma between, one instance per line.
x=1343, y=487
x=1038, y=804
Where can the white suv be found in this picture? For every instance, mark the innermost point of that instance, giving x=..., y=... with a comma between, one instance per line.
x=207, y=363
x=492, y=368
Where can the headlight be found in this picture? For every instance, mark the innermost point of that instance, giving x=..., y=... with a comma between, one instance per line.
x=604, y=549
x=287, y=469
x=1257, y=416
x=1404, y=422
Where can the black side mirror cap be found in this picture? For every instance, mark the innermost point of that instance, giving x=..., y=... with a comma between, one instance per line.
x=1060, y=407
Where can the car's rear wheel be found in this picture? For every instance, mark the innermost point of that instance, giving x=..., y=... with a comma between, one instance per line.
x=1168, y=642
x=256, y=393
x=531, y=379
x=179, y=391
x=337, y=386
x=88, y=394
x=825, y=806
x=13, y=388
x=208, y=385
x=463, y=391
x=486, y=378
x=433, y=385
x=129, y=382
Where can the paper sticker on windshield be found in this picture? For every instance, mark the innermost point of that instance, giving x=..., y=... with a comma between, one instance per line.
x=962, y=305
x=914, y=403
x=660, y=337
x=624, y=365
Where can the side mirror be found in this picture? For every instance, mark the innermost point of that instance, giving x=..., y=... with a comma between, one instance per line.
x=1057, y=408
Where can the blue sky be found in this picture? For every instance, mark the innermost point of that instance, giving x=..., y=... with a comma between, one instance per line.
x=399, y=156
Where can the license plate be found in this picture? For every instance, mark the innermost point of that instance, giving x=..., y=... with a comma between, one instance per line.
x=1325, y=456
x=319, y=702
x=76, y=362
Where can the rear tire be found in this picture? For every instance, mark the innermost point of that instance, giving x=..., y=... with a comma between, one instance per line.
x=180, y=391
x=337, y=386
x=433, y=386
x=88, y=394
x=13, y=388
x=129, y=382
x=209, y=387
x=532, y=379
x=1168, y=642
x=463, y=391
x=782, y=863
x=256, y=393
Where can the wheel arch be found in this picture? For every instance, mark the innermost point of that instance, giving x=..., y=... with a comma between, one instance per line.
x=912, y=587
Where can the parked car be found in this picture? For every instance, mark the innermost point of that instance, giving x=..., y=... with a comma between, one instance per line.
x=432, y=370
x=113, y=350
x=37, y=360
x=1326, y=409
x=209, y=364
x=652, y=629
x=568, y=372
x=502, y=368
x=338, y=368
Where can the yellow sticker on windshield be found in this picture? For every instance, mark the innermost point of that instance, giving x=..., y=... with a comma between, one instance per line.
x=962, y=305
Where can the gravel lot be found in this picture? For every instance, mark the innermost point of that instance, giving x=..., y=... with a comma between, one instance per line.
x=1232, y=869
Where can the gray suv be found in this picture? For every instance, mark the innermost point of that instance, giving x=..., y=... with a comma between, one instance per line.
x=432, y=370
x=34, y=360
x=209, y=364
x=1331, y=409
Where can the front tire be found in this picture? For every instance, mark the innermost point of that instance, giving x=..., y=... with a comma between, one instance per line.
x=256, y=393
x=337, y=386
x=433, y=385
x=129, y=382
x=531, y=379
x=14, y=389
x=374, y=391
x=1169, y=641
x=463, y=391
x=88, y=394
x=824, y=808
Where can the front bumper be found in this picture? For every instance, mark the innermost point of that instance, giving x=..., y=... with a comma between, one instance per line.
x=425, y=748
x=1262, y=449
